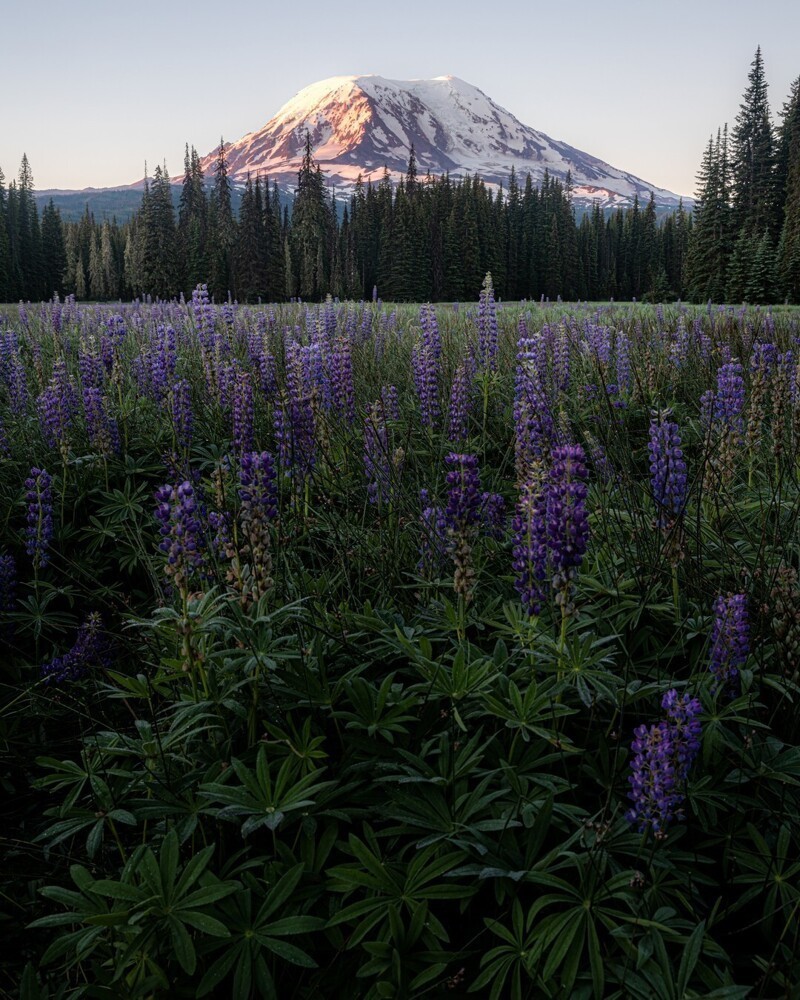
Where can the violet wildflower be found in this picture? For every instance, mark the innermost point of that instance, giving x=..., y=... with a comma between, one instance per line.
x=487, y=326
x=203, y=312
x=667, y=471
x=56, y=407
x=343, y=394
x=181, y=533
x=623, y=362
x=730, y=643
x=730, y=396
x=39, y=532
x=179, y=403
x=533, y=419
x=390, y=403
x=458, y=414
x=101, y=428
x=425, y=360
x=567, y=520
x=663, y=753
x=91, y=650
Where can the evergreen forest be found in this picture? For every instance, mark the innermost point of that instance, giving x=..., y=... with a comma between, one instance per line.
x=430, y=238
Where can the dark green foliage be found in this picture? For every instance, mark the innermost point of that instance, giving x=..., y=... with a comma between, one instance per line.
x=360, y=785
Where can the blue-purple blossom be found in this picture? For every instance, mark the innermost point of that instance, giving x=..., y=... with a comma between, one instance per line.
x=101, y=428
x=533, y=419
x=39, y=531
x=92, y=649
x=181, y=415
x=730, y=642
x=181, y=532
x=487, y=326
x=343, y=394
x=458, y=413
x=667, y=471
x=425, y=361
x=463, y=509
x=57, y=406
x=567, y=518
x=729, y=400
x=257, y=486
x=663, y=753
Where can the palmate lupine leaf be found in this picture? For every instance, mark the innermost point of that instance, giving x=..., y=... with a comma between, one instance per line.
x=261, y=799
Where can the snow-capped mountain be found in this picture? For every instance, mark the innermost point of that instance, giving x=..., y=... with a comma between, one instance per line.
x=361, y=124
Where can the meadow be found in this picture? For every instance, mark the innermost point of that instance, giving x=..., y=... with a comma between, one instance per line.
x=359, y=650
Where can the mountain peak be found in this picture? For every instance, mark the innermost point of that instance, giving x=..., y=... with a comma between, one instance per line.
x=361, y=124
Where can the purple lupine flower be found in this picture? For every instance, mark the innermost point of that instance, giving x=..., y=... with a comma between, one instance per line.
x=39, y=532
x=662, y=756
x=57, y=406
x=667, y=470
x=204, y=314
x=464, y=497
x=181, y=533
x=390, y=403
x=91, y=650
x=684, y=715
x=529, y=553
x=730, y=642
x=295, y=418
x=623, y=362
x=91, y=367
x=533, y=419
x=729, y=402
x=567, y=519
x=101, y=428
x=425, y=361
x=179, y=402
x=652, y=779
x=343, y=394
x=561, y=359
x=458, y=414
x=487, y=326
x=257, y=486
x=707, y=408
x=243, y=412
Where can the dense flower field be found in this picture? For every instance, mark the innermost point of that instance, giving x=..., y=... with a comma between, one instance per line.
x=361, y=651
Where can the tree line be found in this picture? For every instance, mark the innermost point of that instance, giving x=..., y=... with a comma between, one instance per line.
x=430, y=238
x=746, y=238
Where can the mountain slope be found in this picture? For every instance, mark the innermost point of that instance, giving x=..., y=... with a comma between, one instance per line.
x=361, y=124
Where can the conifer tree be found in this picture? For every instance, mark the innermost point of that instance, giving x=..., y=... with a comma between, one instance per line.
x=753, y=147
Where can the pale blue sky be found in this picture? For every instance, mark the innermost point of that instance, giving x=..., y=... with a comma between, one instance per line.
x=93, y=88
